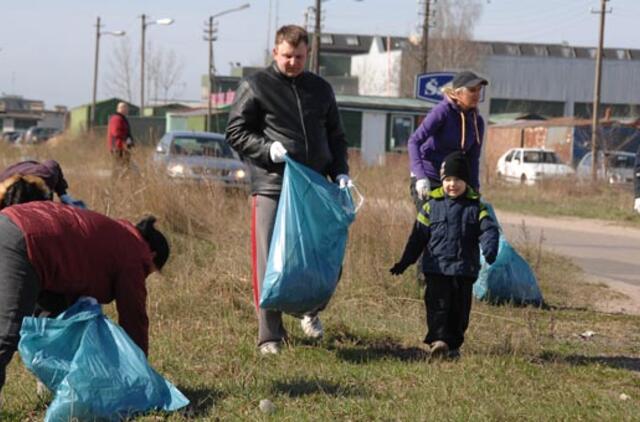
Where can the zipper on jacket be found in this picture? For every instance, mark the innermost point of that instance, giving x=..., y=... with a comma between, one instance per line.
x=300, y=113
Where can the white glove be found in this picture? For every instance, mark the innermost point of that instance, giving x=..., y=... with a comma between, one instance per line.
x=636, y=205
x=277, y=152
x=422, y=188
x=344, y=181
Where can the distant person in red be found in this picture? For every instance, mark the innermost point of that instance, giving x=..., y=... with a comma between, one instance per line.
x=119, y=138
x=46, y=246
x=30, y=180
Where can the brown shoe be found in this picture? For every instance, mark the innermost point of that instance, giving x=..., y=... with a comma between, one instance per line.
x=439, y=349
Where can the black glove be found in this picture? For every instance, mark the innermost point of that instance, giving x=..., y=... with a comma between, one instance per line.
x=398, y=268
x=490, y=258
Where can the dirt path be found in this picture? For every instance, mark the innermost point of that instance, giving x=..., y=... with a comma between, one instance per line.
x=606, y=252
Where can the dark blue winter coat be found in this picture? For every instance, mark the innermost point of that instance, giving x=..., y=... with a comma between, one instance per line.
x=449, y=231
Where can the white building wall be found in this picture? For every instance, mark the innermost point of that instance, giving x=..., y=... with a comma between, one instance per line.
x=378, y=71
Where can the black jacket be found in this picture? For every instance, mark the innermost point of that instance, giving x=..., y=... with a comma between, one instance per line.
x=449, y=231
x=299, y=112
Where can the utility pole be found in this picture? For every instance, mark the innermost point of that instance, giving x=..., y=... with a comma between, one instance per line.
x=210, y=37
x=143, y=18
x=315, y=46
x=424, y=62
x=95, y=76
x=596, y=94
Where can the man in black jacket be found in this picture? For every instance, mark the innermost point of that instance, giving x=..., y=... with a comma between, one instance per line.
x=280, y=110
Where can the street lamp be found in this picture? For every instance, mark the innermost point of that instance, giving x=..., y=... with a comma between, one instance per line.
x=95, y=67
x=211, y=37
x=164, y=21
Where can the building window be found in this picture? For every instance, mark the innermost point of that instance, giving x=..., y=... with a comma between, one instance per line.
x=513, y=50
x=326, y=39
x=352, y=40
x=622, y=54
x=540, y=50
x=567, y=52
x=401, y=129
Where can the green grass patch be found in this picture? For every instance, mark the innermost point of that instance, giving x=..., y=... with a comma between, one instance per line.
x=518, y=363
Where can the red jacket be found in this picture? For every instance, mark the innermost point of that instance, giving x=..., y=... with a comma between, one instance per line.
x=77, y=252
x=118, y=132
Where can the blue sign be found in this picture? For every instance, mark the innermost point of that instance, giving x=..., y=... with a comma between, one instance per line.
x=429, y=85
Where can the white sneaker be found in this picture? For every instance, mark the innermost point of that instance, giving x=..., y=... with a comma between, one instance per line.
x=270, y=348
x=312, y=326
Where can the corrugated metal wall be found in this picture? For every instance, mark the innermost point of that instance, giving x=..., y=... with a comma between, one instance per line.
x=561, y=79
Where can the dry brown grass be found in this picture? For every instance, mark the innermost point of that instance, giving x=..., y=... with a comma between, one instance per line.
x=519, y=363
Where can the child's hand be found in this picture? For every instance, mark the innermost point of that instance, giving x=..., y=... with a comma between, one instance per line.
x=398, y=268
x=490, y=258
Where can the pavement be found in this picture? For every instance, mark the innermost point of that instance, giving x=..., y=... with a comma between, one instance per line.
x=606, y=252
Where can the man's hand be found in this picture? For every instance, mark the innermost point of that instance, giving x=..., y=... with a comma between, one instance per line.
x=636, y=205
x=344, y=181
x=398, y=268
x=277, y=152
x=422, y=188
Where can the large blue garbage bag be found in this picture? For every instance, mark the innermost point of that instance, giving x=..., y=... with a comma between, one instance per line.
x=509, y=279
x=308, y=242
x=94, y=369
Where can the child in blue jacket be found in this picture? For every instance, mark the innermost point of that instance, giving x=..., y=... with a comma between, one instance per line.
x=449, y=228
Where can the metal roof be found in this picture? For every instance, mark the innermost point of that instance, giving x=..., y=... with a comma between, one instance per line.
x=339, y=44
x=383, y=103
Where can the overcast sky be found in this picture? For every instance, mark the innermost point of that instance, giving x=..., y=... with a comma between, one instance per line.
x=47, y=47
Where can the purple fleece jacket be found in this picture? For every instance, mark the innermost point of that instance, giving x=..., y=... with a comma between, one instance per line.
x=441, y=134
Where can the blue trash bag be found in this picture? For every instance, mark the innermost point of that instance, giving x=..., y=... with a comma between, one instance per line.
x=308, y=243
x=509, y=279
x=95, y=370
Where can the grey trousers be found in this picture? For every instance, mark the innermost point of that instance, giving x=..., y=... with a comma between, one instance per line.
x=19, y=287
x=263, y=216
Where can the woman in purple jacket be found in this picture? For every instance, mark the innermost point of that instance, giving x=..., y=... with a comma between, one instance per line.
x=453, y=125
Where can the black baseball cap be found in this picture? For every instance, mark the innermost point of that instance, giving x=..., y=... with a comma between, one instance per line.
x=467, y=79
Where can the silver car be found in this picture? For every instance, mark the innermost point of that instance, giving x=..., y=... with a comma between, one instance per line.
x=620, y=166
x=201, y=157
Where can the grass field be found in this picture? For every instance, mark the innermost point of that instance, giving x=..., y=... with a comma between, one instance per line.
x=518, y=363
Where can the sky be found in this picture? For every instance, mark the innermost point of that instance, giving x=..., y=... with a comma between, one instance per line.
x=47, y=47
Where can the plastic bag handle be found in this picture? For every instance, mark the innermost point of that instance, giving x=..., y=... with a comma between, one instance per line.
x=360, y=196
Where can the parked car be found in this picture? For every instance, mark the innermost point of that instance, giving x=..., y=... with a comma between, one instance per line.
x=36, y=134
x=620, y=166
x=200, y=156
x=530, y=165
x=12, y=136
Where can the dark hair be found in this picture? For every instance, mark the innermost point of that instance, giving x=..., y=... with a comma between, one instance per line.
x=22, y=189
x=155, y=239
x=293, y=34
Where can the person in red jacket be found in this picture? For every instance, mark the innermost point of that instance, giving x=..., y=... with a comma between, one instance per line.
x=52, y=247
x=119, y=138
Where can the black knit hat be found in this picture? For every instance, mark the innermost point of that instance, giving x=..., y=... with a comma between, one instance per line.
x=156, y=240
x=455, y=164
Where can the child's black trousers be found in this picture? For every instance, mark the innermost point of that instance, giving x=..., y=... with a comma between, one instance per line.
x=448, y=301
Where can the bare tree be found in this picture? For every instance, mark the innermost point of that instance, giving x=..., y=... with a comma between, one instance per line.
x=120, y=82
x=450, y=42
x=162, y=73
x=166, y=75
